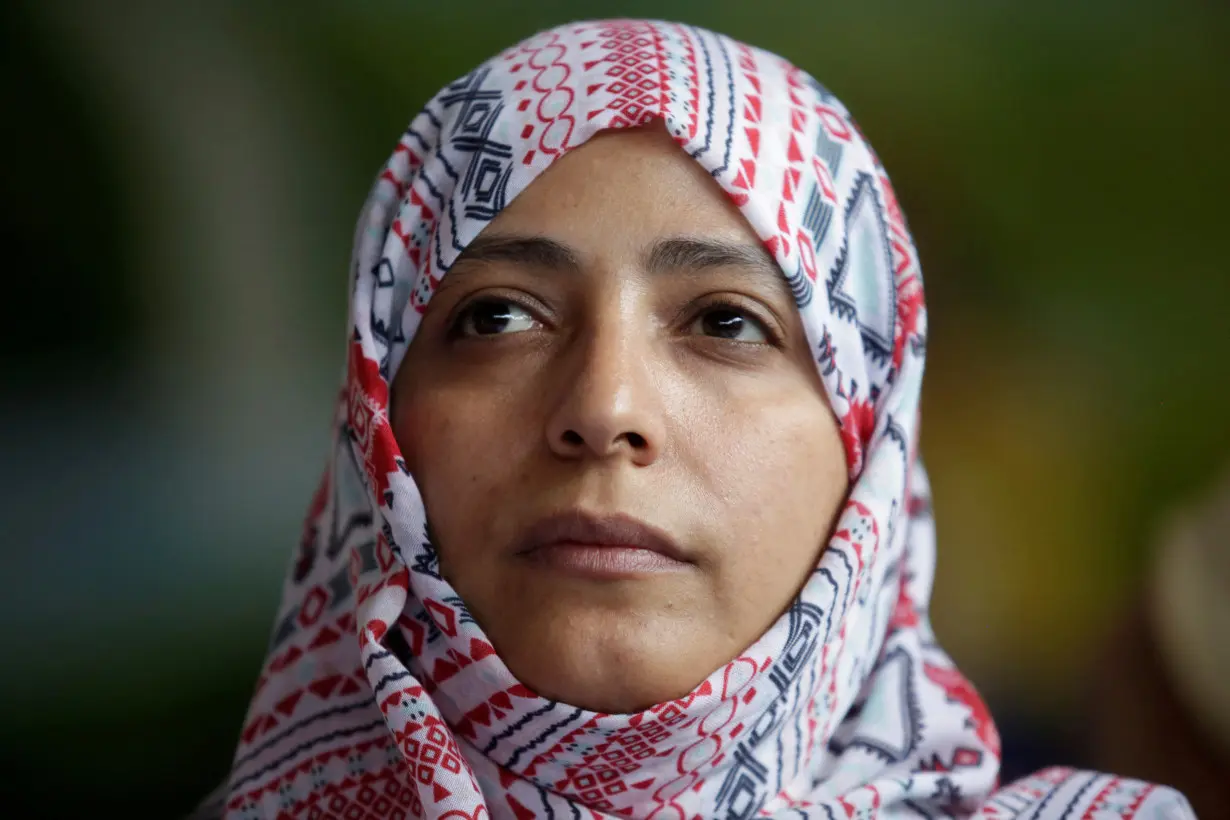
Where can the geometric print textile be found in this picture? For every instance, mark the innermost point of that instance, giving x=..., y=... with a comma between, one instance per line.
x=381, y=697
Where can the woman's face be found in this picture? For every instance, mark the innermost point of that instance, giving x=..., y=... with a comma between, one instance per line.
x=623, y=445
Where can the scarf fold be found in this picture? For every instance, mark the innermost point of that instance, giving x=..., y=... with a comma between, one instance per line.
x=381, y=696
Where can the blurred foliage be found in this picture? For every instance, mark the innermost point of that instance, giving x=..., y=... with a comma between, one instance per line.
x=1063, y=168
x=61, y=219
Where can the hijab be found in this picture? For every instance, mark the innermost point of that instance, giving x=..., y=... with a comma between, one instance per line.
x=381, y=696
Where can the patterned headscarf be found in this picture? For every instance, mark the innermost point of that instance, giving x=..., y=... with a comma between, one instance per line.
x=381, y=697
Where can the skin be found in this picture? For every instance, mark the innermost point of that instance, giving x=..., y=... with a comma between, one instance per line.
x=651, y=362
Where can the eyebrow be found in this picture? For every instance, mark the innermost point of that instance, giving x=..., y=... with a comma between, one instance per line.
x=532, y=251
x=676, y=254
x=689, y=254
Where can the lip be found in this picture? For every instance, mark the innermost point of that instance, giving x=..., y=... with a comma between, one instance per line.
x=601, y=546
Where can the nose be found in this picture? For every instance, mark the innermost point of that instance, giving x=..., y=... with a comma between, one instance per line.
x=609, y=405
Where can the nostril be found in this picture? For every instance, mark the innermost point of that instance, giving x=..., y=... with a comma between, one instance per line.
x=636, y=440
x=573, y=437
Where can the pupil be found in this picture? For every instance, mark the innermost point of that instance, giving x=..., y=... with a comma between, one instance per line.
x=724, y=323
x=491, y=317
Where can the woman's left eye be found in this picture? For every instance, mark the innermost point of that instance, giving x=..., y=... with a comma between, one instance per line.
x=730, y=323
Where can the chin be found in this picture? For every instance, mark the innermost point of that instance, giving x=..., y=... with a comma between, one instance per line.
x=610, y=665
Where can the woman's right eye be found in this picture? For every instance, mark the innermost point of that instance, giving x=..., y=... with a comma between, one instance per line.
x=493, y=317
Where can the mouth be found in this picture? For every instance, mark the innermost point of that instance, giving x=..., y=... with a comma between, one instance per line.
x=602, y=547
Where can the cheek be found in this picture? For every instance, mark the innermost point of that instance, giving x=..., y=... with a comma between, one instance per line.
x=772, y=452
x=443, y=443
x=416, y=426
x=808, y=464
x=783, y=482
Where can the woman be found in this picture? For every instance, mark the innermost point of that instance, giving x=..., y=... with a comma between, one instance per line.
x=624, y=515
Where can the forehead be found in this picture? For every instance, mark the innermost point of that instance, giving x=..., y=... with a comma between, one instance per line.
x=623, y=188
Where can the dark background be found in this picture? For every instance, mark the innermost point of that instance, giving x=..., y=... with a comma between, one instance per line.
x=180, y=189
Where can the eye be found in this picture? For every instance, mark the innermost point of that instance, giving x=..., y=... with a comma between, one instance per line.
x=726, y=322
x=493, y=317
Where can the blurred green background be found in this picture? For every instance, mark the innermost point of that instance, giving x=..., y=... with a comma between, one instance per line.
x=181, y=185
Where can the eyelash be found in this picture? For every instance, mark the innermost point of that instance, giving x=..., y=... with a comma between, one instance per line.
x=771, y=334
